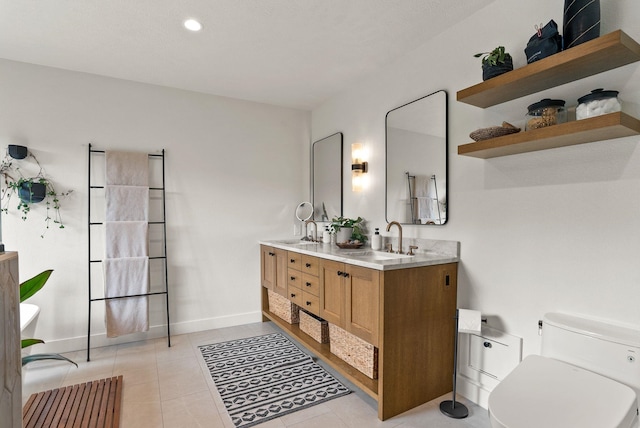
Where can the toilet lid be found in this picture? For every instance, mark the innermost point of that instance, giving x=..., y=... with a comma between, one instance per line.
x=543, y=392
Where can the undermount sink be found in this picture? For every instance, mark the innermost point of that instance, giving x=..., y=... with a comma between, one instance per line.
x=298, y=242
x=377, y=255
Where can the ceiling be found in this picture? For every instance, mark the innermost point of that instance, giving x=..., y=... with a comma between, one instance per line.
x=293, y=53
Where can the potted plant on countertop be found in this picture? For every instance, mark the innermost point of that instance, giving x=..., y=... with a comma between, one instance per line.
x=30, y=190
x=495, y=63
x=349, y=232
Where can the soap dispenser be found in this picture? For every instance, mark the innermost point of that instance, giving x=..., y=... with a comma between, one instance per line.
x=376, y=240
x=326, y=236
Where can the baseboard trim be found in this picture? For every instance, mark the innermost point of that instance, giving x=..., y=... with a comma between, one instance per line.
x=158, y=331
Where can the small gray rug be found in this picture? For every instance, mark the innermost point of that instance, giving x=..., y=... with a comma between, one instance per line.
x=265, y=377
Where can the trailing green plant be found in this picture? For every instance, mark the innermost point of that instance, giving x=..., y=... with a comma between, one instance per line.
x=27, y=289
x=495, y=57
x=357, y=226
x=15, y=182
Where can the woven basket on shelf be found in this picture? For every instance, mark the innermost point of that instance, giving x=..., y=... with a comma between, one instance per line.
x=494, y=132
x=353, y=350
x=314, y=326
x=283, y=308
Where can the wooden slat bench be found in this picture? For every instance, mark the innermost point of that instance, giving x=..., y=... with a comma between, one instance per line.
x=94, y=404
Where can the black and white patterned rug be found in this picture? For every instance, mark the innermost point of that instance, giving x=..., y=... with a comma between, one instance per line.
x=265, y=377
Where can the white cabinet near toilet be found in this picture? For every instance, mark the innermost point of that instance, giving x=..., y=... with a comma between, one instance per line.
x=485, y=360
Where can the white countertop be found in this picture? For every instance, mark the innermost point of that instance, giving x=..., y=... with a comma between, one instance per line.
x=430, y=252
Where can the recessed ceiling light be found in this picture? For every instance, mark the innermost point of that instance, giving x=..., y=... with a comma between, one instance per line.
x=193, y=25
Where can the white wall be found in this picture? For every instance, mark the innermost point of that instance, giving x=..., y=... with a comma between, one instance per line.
x=235, y=172
x=555, y=230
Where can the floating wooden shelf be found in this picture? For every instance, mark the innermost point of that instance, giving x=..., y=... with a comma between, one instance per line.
x=606, y=127
x=595, y=56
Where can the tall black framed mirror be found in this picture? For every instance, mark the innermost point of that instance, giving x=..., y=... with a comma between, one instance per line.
x=416, y=161
x=326, y=177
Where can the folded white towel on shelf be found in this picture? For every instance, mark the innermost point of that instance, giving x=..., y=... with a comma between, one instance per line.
x=123, y=277
x=127, y=203
x=127, y=168
x=126, y=239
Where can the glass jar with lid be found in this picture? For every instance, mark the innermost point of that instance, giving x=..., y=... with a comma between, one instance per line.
x=544, y=113
x=597, y=103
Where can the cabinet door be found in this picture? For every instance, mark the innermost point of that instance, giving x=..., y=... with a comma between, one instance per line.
x=280, y=282
x=267, y=267
x=362, y=312
x=332, y=295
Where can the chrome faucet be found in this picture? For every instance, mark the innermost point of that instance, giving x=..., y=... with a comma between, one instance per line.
x=315, y=229
x=400, y=236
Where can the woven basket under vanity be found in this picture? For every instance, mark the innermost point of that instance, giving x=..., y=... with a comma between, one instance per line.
x=314, y=326
x=353, y=350
x=283, y=308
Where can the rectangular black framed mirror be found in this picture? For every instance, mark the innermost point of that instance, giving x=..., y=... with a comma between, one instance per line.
x=326, y=177
x=416, y=161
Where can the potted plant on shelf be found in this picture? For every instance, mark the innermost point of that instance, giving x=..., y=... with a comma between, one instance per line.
x=29, y=191
x=349, y=232
x=495, y=63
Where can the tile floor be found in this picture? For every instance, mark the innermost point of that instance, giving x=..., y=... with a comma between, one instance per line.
x=171, y=387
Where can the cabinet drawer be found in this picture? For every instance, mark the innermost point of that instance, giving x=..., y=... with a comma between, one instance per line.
x=294, y=260
x=310, y=265
x=310, y=303
x=295, y=295
x=310, y=284
x=294, y=278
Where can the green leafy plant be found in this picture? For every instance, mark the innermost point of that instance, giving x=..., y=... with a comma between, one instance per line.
x=495, y=57
x=358, y=233
x=16, y=183
x=27, y=289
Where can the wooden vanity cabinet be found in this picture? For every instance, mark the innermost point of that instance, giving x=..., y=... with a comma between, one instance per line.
x=408, y=314
x=273, y=269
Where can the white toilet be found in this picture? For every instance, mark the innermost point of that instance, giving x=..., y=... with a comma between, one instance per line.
x=588, y=377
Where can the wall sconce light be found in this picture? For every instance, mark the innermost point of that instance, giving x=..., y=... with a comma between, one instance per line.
x=359, y=167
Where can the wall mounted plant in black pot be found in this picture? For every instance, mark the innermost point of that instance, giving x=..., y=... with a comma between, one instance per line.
x=37, y=189
x=495, y=63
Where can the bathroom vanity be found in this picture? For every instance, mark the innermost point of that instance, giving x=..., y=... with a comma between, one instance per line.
x=403, y=305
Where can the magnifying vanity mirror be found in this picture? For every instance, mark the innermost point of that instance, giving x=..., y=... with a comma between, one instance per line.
x=304, y=211
x=416, y=170
x=326, y=163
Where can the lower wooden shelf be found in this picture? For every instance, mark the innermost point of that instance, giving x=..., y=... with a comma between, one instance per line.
x=600, y=128
x=322, y=351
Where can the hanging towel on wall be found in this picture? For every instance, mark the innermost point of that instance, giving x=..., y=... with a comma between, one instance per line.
x=126, y=239
x=126, y=276
x=126, y=263
x=127, y=168
x=127, y=203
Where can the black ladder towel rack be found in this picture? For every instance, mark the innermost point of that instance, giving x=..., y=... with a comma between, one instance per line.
x=163, y=257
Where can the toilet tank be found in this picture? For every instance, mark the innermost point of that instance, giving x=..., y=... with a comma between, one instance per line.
x=610, y=350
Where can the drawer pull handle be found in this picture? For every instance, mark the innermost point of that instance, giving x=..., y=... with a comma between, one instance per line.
x=487, y=344
x=308, y=303
x=293, y=278
x=293, y=295
x=340, y=273
x=272, y=254
x=308, y=265
x=346, y=275
x=293, y=260
x=308, y=284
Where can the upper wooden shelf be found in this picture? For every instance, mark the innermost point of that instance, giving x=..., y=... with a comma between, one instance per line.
x=606, y=127
x=595, y=56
